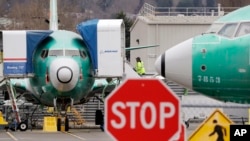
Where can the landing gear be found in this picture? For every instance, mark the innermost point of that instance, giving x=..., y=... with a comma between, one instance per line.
x=62, y=124
x=66, y=124
x=62, y=119
x=59, y=124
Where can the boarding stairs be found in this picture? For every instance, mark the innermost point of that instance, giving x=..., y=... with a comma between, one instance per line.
x=78, y=116
x=5, y=81
x=1, y=74
x=12, y=96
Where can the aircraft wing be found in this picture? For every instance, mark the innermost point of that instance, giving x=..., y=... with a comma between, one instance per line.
x=22, y=88
x=104, y=86
x=21, y=84
x=140, y=47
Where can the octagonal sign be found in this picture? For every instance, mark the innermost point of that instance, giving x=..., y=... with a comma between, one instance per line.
x=142, y=109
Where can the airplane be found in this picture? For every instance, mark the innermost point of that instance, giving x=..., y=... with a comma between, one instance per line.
x=61, y=69
x=215, y=63
x=63, y=73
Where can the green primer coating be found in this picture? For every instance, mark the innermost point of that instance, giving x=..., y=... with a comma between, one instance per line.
x=241, y=14
x=46, y=91
x=221, y=67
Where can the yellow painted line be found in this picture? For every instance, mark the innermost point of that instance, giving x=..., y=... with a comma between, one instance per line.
x=13, y=137
x=74, y=136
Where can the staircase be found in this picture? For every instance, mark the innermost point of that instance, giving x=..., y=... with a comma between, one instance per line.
x=90, y=108
x=77, y=116
x=1, y=74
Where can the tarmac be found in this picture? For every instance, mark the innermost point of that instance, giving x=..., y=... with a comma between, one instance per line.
x=72, y=135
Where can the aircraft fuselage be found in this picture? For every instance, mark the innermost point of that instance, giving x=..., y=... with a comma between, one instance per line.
x=216, y=63
x=221, y=67
x=62, y=69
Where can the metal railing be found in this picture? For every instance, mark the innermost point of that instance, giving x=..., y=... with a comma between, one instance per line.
x=149, y=10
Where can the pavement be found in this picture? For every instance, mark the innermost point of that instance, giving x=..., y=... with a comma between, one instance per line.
x=72, y=135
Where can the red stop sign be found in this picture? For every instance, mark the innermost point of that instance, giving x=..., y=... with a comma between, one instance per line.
x=142, y=109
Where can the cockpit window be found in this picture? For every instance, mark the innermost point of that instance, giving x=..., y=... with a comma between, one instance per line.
x=243, y=29
x=228, y=30
x=55, y=52
x=63, y=52
x=83, y=54
x=215, y=28
x=44, y=53
x=72, y=53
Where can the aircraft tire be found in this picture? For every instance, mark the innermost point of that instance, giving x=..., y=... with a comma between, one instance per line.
x=58, y=124
x=66, y=124
x=98, y=117
x=23, y=126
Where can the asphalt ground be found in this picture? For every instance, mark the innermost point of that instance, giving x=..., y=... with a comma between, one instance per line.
x=72, y=135
x=40, y=135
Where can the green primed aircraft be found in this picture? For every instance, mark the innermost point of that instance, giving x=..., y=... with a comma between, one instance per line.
x=63, y=72
x=215, y=63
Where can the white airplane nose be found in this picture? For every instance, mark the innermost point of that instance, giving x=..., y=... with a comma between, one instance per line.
x=176, y=63
x=64, y=74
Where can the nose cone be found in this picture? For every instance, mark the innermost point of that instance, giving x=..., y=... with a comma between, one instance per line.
x=64, y=74
x=176, y=63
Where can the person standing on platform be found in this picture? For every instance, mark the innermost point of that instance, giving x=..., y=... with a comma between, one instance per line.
x=139, y=68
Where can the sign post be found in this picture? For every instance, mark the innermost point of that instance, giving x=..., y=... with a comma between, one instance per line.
x=142, y=109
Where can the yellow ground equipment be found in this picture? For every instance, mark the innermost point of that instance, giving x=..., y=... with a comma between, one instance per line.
x=3, y=122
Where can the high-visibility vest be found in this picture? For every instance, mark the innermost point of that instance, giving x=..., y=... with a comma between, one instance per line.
x=140, y=68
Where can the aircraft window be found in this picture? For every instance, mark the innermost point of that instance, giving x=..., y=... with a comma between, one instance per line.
x=44, y=53
x=228, y=30
x=215, y=28
x=66, y=53
x=83, y=54
x=243, y=29
x=72, y=53
x=56, y=53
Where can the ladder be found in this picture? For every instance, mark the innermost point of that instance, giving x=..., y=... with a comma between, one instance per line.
x=79, y=118
x=12, y=95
